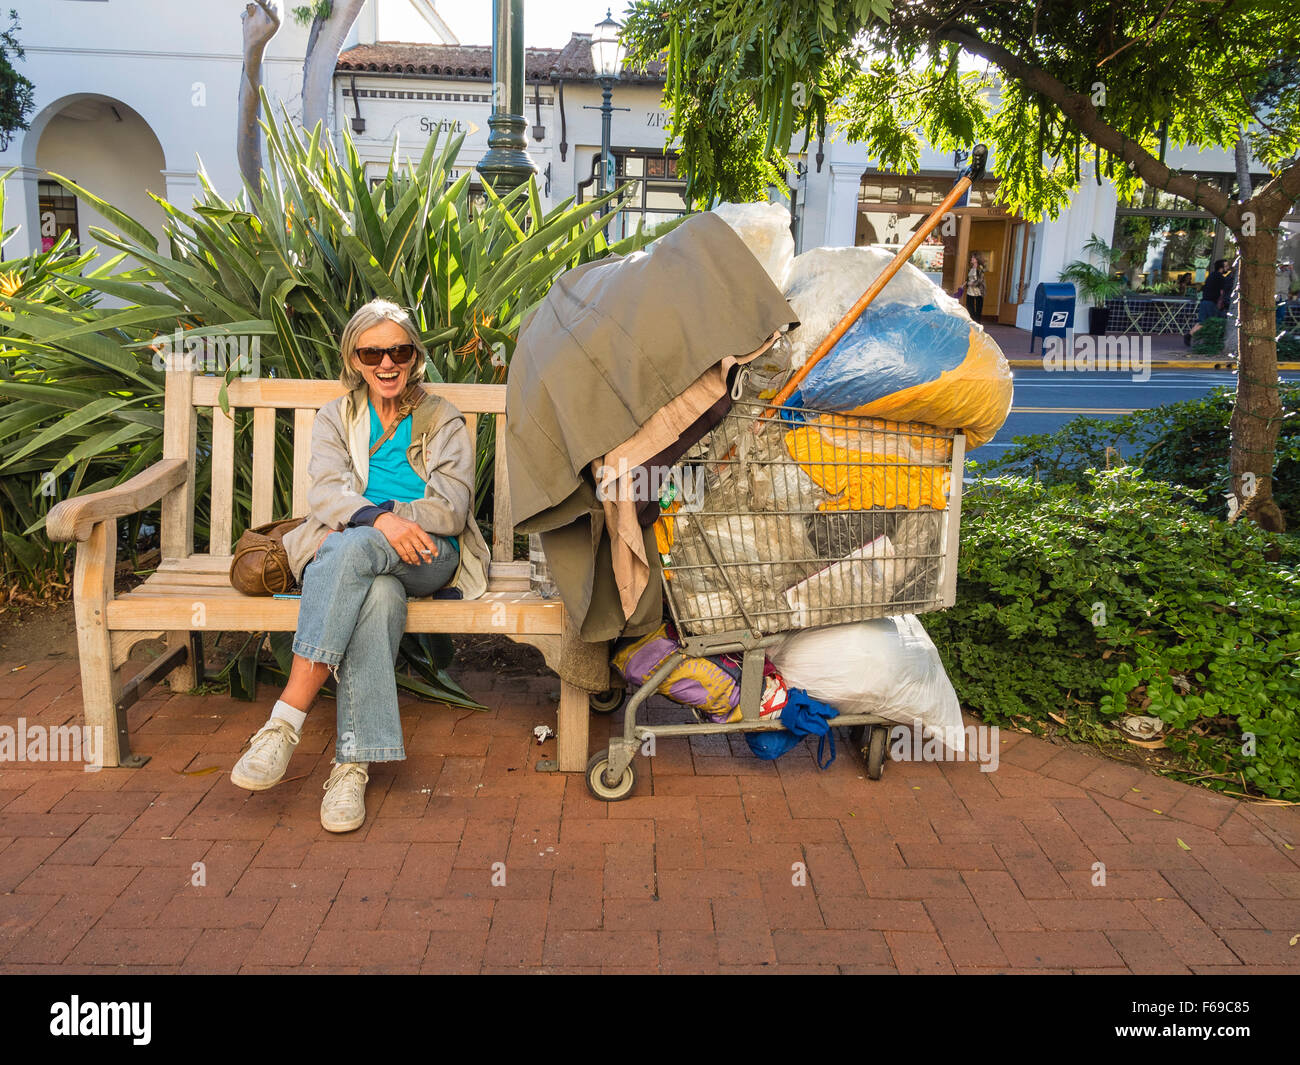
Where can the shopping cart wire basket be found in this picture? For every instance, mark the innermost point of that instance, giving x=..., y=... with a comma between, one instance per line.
x=790, y=519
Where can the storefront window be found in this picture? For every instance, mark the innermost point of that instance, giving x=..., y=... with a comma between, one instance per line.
x=1163, y=254
x=658, y=193
x=1168, y=244
x=890, y=230
x=58, y=209
x=1288, y=262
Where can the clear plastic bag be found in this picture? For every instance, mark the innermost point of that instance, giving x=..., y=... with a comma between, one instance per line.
x=863, y=579
x=765, y=229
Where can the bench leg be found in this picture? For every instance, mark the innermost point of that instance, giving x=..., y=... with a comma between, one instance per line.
x=100, y=683
x=571, y=724
x=573, y=716
x=185, y=676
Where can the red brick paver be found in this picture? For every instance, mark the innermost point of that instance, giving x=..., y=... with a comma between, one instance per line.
x=471, y=861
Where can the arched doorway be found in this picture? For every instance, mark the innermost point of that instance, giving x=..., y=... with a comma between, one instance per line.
x=106, y=147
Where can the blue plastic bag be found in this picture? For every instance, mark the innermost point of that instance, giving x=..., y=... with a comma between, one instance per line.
x=914, y=364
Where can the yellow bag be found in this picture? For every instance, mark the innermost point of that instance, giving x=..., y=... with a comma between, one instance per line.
x=887, y=476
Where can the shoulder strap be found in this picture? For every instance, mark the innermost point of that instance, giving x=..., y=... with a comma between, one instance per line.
x=412, y=399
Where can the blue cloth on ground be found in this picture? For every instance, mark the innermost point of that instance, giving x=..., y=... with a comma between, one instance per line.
x=801, y=716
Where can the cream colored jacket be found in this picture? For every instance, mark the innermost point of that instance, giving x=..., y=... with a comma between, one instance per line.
x=441, y=452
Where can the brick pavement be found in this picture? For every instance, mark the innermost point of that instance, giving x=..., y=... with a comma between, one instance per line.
x=935, y=868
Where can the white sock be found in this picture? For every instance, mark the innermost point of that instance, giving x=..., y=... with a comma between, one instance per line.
x=284, y=712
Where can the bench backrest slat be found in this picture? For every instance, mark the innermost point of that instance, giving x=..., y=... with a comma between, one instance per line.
x=187, y=394
x=223, y=481
x=180, y=423
x=263, y=464
x=290, y=393
x=303, y=420
x=503, y=526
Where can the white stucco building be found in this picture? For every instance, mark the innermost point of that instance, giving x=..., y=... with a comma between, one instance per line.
x=134, y=96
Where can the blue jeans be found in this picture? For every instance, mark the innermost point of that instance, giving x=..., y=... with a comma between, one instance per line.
x=352, y=616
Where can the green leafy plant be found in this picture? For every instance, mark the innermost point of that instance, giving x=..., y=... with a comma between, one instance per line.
x=51, y=438
x=1119, y=596
x=1183, y=443
x=305, y=14
x=15, y=90
x=1096, y=284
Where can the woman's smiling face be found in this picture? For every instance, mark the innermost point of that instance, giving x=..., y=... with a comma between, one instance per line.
x=387, y=381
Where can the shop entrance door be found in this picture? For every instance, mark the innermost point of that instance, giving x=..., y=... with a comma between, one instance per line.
x=988, y=240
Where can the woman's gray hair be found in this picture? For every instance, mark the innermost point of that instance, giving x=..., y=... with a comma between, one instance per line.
x=372, y=314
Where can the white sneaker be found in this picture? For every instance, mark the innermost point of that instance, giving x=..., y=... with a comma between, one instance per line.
x=344, y=806
x=267, y=757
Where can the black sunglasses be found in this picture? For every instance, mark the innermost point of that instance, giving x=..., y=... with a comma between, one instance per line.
x=399, y=353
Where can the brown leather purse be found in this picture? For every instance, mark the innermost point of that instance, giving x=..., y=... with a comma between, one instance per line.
x=260, y=565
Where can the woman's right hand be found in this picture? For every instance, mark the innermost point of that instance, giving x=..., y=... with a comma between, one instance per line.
x=413, y=545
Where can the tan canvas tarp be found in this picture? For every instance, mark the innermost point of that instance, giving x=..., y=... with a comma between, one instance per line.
x=611, y=344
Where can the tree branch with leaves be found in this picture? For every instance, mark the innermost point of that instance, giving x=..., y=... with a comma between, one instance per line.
x=1099, y=85
x=15, y=90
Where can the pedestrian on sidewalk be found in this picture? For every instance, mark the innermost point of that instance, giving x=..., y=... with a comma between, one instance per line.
x=975, y=287
x=391, y=516
x=1215, y=297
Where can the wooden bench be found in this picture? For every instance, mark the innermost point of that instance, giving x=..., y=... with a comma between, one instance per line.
x=190, y=593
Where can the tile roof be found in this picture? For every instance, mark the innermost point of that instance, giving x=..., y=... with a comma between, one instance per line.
x=473, y=62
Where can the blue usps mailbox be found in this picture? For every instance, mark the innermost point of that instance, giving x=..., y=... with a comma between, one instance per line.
x=1053, y=311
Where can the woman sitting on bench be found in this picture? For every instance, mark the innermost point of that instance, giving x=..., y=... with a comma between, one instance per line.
x=391, y=501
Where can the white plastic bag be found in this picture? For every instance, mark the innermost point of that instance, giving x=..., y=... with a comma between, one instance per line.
x=825, y=282
x=888, y=667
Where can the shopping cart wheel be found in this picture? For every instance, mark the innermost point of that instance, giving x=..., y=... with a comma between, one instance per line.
x=606, y=702
x=596, y=779
x=876, y=752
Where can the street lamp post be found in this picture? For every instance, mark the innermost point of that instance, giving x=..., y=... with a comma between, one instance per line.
x=506, y=163
x=606, y=59
x=606, y=115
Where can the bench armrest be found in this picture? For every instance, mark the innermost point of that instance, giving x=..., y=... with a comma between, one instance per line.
x=73, y=518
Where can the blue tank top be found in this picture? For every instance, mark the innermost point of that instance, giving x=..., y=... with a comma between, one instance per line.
x=391, y=476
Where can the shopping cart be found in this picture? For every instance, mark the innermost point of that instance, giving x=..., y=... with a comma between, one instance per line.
x=786, y=519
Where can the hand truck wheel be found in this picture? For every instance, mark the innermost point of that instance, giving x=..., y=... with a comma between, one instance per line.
x=876, y=752
x=596, y=779
x=606, y=702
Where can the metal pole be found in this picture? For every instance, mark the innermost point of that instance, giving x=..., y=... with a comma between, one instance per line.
x=507, y=164
x=606, y=114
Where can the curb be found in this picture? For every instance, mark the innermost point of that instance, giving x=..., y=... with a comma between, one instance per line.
x=1176, y=364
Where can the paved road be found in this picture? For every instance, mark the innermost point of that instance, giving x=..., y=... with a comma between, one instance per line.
x=1045, y=401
